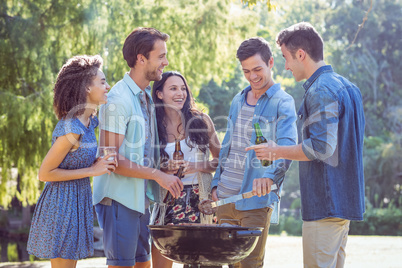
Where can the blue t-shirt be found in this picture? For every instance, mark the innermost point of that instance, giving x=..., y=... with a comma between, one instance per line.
x=122, y=114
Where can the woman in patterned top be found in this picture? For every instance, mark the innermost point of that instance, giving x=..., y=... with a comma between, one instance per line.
x=178, y=119
x=62, y=224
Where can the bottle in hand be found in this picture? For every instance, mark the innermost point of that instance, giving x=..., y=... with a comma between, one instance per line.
x=178, y=155
x=260, y=139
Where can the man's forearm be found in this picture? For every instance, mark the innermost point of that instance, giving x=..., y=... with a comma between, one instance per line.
x=293, y=152
x=128, y=168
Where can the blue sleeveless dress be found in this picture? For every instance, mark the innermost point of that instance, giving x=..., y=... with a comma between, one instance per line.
x=62, y=224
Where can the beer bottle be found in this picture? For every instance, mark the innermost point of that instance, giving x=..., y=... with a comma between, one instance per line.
x=178, y=155
x=260, y=139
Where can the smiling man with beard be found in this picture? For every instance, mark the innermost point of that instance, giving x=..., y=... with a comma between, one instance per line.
x=128, y=123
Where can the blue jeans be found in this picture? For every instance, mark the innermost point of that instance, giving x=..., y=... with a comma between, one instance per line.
x=126, y=238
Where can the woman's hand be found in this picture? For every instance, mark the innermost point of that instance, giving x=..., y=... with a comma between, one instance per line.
x=104, y=165
x=172, y=166
x=192, y=167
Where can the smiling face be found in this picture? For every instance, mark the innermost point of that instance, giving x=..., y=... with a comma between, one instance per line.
x=98, y=89
x=174, y=92
x=156, y=61
x=293, y=64
x=258, y=73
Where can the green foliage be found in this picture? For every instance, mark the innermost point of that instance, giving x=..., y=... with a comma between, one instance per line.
x=12, y=252
x=296, y=204
x=37, y=37
x=203, y=35
x=374, y=60
x=379, y=221
x=372, y=63
x=252, y=3
x=383, y=169
x=218, y=98
x=384, y=221
x=289, y=223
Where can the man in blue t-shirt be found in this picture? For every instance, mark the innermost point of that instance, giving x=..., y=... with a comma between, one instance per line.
x=128, y=123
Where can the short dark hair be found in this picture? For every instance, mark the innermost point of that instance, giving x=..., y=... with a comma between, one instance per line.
x=141, y=41
x=253, y=46
x=72, y=82
x=302, y=36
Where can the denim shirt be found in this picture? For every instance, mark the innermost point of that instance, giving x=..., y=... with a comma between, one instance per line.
x=276, y=114
x=332, y=128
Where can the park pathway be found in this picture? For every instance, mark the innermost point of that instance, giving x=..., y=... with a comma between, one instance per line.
x=286, y=252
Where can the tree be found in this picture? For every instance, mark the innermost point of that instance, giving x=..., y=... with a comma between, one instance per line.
x=218, y=98
x=373, y=64
x=252, y=3
x=37, y=37
x=383, y=170
x=203, y=35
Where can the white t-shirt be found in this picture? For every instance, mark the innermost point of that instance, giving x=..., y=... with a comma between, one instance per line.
x=190, y=155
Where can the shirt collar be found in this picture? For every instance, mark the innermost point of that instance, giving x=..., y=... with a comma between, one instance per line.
x=270, y=92
x=148, y=91
x=316, y=74
x=134, y=87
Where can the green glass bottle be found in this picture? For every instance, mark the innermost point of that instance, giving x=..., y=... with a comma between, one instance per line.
x=260, y=139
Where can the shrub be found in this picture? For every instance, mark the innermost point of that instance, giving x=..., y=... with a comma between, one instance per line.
x=379, y=221
x=384, y=221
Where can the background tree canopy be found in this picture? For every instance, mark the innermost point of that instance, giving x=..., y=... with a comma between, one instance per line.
x=37, y=37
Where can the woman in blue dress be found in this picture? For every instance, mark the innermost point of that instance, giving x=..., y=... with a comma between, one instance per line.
x=62, y=224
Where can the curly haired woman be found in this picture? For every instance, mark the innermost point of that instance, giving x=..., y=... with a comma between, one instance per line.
x=62, y=224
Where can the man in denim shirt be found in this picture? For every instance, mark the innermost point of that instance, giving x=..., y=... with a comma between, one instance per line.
x=262, y=102
x=331, y=150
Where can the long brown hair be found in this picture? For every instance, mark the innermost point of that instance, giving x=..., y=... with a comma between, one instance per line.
x=193, y=118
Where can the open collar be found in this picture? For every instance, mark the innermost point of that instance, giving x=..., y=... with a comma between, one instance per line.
x=269, y=93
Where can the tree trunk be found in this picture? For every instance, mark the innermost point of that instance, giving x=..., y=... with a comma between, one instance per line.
x=26, y=216
x=4, y=247
x=22, y=251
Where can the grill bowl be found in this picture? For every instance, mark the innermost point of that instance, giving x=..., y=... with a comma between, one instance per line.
x=208, y=245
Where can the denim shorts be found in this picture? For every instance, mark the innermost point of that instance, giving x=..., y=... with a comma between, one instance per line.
x=126, y=238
